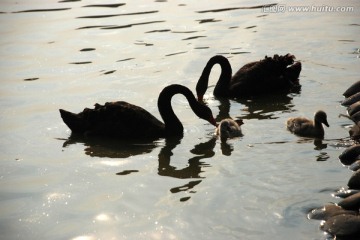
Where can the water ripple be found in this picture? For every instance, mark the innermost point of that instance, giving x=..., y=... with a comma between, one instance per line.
x=87, y=49
x=184, y=31
x=106, y=5
x=109, y=72
x=43, y=10
x=130, y=25
x=86, y=62
x=117, y=15
x=31, y=79
x=172, y=54
x=66, y=1
x=233, y=53
x=94, y=26
x=194, y=37
x=126, y=59
x=207, y=20
x=127, y=172
x=201, y=47
x=160, y=30
x=144, y=44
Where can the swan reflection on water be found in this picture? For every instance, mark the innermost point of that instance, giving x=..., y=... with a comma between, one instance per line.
x=195, y=165
x=264, y=107
x=113, y=148
x=318, y=143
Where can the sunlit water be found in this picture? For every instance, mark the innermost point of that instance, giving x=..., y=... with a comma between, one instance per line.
x=71, y=54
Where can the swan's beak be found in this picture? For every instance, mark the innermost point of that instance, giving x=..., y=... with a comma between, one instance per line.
x=213, y=122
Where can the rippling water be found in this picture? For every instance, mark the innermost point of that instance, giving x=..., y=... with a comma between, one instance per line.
x=71, y=54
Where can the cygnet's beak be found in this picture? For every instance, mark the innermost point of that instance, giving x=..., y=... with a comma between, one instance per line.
x=239, y=122
x=326, y=123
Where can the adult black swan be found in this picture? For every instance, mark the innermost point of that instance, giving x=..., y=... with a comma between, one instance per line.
x=124, y=120
x=269, y=75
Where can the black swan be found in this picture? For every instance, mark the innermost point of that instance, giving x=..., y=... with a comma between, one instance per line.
x=271, y=74
x=307, y=128
x=124, y=120
x=229, y=128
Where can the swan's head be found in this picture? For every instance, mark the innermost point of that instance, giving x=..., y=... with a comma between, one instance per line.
x=320, y=116
x=205, y=113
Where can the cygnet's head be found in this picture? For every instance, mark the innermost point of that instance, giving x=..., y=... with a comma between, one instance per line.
x=229, y=128
x=321, y=117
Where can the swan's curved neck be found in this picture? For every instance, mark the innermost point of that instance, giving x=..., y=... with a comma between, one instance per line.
x=173, y=125
x=222, y=86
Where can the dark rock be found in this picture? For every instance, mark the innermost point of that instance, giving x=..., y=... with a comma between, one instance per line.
x=344, y=193
x=354, y=181
x=353, y=108
x=343, y=225
x=355, y=166
x=350, y=100
x=351, y=203
x=350, y=155
x=328, y=211
x=354, y=88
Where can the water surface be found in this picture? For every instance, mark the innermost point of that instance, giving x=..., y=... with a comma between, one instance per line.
x=71, y=54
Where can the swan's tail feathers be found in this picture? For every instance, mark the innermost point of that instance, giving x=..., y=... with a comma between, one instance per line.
x=73, y=121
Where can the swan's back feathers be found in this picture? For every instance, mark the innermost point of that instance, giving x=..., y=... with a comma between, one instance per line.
x=118, y=119
x=267, y=75
x=300, y=125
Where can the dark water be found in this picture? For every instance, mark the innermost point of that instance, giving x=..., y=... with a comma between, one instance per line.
x=71, y=54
